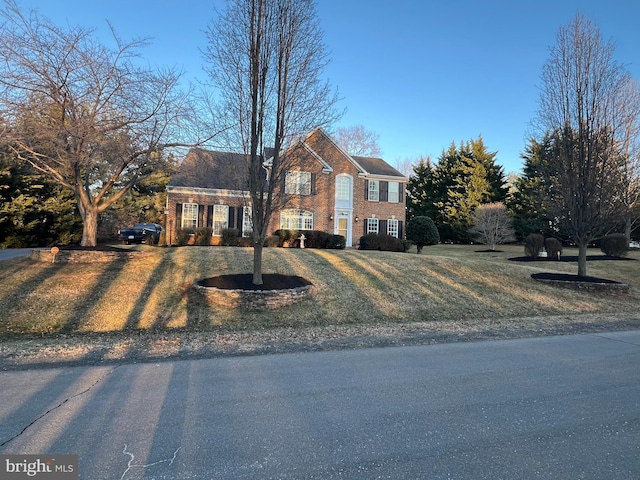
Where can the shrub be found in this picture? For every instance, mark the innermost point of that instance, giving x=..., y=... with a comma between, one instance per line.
x=203, y=236
x=182, y=237
x=312, y=239
x=615, y=245
x=533, y=244
x=230, y=237
x=246, y=242
x=337, y=242
x=272, y=241
x=387, y=243
x=422, y=231
x=553, y=247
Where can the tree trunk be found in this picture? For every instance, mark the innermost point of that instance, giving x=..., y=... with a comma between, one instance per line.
x=582, y=259
x=257, y=263
x=89, y=227
x=627, y=226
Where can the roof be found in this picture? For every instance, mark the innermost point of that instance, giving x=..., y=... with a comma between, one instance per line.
x=215, y=170
x=377, y=166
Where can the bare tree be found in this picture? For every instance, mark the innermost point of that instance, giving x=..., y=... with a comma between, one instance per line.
x=84, y=114
x=358, y=141
x=265, y=57
x=582, y=86
x=492, y=225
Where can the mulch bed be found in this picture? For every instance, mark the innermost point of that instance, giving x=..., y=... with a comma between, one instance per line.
x=570, y=258
x=566, y=277
x=244, y=281
x=98, y=248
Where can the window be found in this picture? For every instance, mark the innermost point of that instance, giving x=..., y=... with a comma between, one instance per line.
x=374, y=190
x=343, y=189
x=247, y=223
x=392, y=227
x=296, y=220
x=189, y=219
x=220, y=218
x=394, y=192
x=298, y=183
x=372, y=225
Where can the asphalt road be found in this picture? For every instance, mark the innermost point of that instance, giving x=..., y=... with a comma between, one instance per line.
x=8, y=253
x=542, y=408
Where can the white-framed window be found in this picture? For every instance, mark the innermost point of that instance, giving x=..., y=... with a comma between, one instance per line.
x=297, y=183
x=374, y=190
x=372, y=225
x=220, y=218
x=394, y=192
x=392, y=227
x=296, y=220
x=189, y=220
x=343, y=188
x=247, y=222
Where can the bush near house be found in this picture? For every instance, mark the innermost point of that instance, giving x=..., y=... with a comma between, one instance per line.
x=387, y=243
x=533, y=244
x=312, y=239
x=230, y=237
x=615, y=245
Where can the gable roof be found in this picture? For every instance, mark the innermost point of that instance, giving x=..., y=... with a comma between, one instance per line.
x=215, y=170
x=377, y=166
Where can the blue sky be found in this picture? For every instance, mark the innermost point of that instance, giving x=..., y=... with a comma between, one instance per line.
x=419, y=73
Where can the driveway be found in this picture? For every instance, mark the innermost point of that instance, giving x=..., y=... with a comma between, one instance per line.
x=539, y=408
x=9, y=253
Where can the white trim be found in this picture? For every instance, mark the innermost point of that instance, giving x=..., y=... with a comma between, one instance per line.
x=326, y=168
x=340, y=149
x=210, y=192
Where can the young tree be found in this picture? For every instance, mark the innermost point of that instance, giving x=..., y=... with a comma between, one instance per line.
x=358, y=141
x=422, y=231
x=266, y=58
x=582, y=86
x=83, y=113
x=492, y=225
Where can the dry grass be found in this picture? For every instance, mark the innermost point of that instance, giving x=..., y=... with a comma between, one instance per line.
x=444, y=284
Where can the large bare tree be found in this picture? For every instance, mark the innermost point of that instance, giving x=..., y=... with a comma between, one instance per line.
x=265, y=58
x=86, y=114
x=359, y=141
x=582, y=88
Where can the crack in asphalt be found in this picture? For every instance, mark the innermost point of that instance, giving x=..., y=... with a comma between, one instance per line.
x=37, y=419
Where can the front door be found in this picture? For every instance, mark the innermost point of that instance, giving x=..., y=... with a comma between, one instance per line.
x=343, y=225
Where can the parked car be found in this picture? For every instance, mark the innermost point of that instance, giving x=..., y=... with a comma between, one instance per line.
x=634, y=245
x=148, y=233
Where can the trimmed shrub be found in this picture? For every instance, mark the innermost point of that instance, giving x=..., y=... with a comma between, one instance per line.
x=337, y=242
x=230, y=237
x=615, y=245
x=533, y=245
x=203, y=236
x=553, y=247
x=387, y=243
x=422, y=231
x=312, y=239
x=272, y=241
x=245, y=241
x=182, y=237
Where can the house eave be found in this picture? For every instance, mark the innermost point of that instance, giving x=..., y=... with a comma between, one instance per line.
x=213, y=192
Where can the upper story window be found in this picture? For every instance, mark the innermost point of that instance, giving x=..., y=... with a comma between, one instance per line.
x=374, y=190
x=394, y=192
x=189, y=219
x=297, y=183
x=343, y=188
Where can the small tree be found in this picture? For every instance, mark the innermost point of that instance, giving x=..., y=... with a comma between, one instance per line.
x=492, y=225
x=422, y=231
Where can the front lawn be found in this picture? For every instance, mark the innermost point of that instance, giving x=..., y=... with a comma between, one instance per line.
x=446, y=283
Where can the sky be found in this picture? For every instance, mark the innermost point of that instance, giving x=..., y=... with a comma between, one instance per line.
x=421, y=74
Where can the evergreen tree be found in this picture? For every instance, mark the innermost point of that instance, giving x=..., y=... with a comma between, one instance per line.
x=420, y=191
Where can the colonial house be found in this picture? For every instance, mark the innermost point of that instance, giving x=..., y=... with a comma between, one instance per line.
x=326, y=188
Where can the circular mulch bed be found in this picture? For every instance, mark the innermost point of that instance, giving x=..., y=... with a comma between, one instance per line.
x=238, y=290
x=579, y=282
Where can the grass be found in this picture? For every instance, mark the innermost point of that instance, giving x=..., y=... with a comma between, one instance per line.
x=446, y=283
